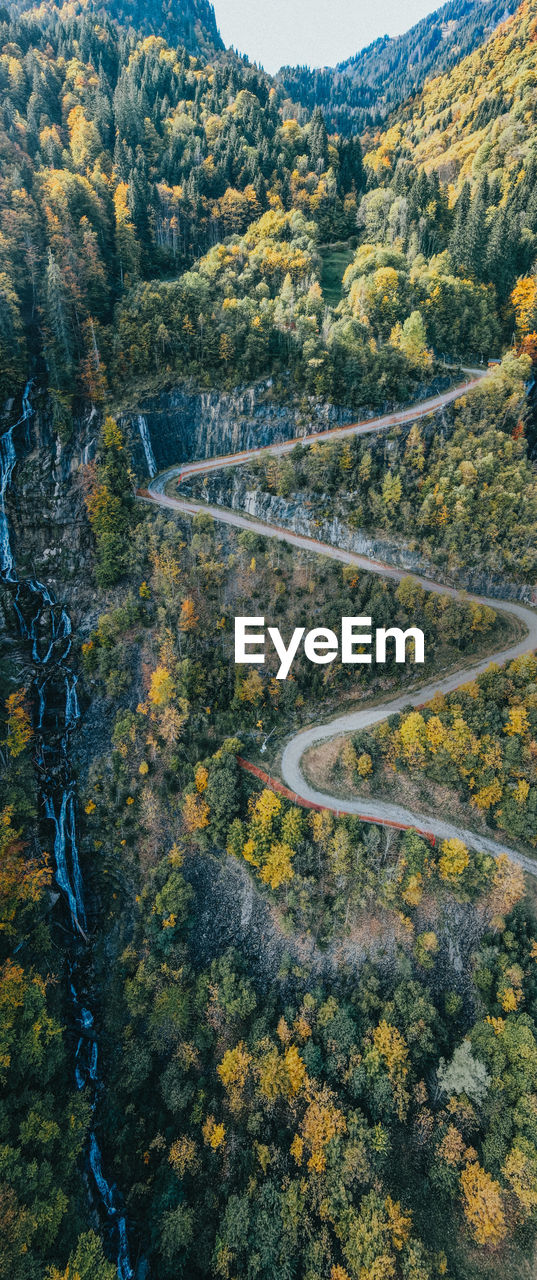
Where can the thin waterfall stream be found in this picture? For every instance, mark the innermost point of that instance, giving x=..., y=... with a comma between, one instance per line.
x=148, y=447
x=46, y=627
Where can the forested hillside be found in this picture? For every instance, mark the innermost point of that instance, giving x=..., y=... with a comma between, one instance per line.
x=270, y=1110
x=191, y=23
x=362, y=91
x=477, y=120
x=124, y=159
x=243, y=1038
x=451, y=188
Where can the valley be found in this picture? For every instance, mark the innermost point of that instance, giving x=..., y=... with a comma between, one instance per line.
x=268, y=366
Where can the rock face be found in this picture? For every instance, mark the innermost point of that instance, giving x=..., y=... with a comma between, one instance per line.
x=50, y=533
x=185, y=423
x=46, y=502
x=298, y=513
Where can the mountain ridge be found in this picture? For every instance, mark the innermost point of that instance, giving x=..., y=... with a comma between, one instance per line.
x=478, y=118
x=191, y=23
x=362, y=90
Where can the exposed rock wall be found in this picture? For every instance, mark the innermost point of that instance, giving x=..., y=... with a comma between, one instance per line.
x=233, y=489
x=185, y=423
x=50, y=532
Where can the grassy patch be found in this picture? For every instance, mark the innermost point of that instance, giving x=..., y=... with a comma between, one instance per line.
x=335, y=260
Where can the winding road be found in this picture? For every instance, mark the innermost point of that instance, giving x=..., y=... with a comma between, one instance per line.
x=370, y=809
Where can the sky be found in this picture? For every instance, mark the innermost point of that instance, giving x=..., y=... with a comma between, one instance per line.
x=316, y=32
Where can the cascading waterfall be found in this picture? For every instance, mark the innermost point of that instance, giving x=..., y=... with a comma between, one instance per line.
x=7, y=462
x=87, y=452
x=65, y=853
x=72, y=709
x=47, y=628
x=148, y=447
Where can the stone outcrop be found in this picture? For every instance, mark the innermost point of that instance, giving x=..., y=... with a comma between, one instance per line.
x=185, y=423
x=300, y=513
x=50, y=532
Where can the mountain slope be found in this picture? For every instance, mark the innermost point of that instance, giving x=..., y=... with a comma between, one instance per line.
x=124, y=160
x=481, y=117
x=188, y=22
x=191, y=23
x=361, y=91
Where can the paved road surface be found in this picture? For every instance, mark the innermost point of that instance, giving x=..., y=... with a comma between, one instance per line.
x=370, y=809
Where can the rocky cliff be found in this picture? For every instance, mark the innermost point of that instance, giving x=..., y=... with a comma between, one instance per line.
x=50, y=532
x=185, y=423
x=300, y=513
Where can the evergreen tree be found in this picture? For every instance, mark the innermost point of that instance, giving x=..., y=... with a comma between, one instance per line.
x=351, y=168
x=110, y=505
x=476, y=231
x=318, y=140
x=458, y=244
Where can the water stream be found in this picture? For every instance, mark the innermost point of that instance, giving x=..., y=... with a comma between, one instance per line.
x=46, y=627
x=148, y=447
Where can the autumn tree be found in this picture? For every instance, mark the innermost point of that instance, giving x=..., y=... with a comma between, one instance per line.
x=19, y=725
x=110, y=504
x=483, y=1208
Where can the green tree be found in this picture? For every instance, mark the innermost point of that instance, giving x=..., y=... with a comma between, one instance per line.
x=110, y=505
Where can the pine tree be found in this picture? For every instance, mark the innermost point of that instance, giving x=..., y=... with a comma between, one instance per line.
x=476, y=230
x=500, y=259
x=58, y=319
x=458, y=245
x=351, y=168
x=318, y=140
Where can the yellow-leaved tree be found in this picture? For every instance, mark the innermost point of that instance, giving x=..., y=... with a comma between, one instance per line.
x=277, y=869
x=195, y=812
x=322, y=1122
x=482, y=1203
x=161, y=688
x=524, y=300
x=189, y=618
x=454, y=859
x=19, y=725
x=392, y=1049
